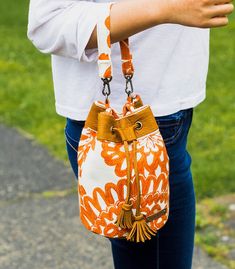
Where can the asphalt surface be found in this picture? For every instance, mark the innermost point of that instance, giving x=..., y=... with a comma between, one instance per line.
x=39, y=222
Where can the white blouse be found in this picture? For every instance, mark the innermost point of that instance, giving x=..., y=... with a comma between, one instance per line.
x=170, y=60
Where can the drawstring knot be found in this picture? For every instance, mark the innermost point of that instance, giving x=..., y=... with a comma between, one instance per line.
x=140, y=230
x=125, y=218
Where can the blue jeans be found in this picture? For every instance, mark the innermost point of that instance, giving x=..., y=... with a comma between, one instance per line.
x=172, y=247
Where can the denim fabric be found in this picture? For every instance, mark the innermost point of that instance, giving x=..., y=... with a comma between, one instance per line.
x=172, y=247
x=72, y=133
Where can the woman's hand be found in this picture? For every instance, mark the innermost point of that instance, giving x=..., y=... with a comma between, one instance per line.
x=198, y=13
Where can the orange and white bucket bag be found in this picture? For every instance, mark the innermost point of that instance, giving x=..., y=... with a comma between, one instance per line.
x=123, y=164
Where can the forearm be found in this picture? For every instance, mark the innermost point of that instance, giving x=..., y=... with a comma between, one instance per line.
x=131, y=17
x=68, y=27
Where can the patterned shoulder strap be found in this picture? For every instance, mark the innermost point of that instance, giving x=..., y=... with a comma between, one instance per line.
x=104, y=49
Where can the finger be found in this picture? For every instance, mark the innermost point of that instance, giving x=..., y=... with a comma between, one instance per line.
x=218, y=22
x=221, y=2
x=221, y=10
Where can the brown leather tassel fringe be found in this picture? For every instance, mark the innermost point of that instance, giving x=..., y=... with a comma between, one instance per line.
x=140, y=230
x=125, y=218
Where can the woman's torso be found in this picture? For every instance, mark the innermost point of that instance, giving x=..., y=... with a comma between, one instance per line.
x=170, y=61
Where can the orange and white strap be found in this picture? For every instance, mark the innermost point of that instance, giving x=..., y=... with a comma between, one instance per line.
x=127, y=64
x=104, y=48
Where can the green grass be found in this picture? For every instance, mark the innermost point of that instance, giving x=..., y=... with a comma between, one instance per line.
x=26, y=89
x=27, y=100
x=214, y=229
x=212, y=138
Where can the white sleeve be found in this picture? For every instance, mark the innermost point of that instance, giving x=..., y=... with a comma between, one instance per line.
x=64, y=27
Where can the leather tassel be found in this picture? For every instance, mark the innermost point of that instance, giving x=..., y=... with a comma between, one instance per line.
x=140, y=230
x=125, y=218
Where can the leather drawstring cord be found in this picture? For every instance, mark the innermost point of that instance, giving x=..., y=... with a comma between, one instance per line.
x=140, y=231
x=125, y=218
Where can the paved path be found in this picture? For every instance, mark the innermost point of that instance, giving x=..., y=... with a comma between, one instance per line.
x=40, y=227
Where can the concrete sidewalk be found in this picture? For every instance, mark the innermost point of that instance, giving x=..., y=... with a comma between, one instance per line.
x=40, y=226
